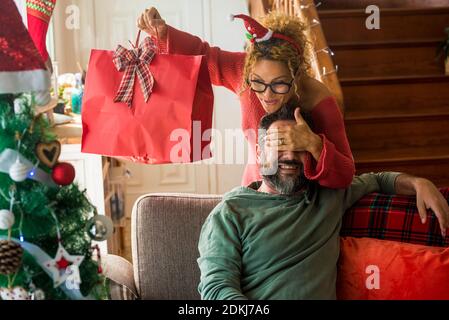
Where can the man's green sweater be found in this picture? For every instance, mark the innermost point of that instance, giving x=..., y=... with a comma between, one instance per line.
x=257, y=245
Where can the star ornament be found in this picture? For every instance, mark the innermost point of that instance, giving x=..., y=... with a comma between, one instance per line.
x=61, y=266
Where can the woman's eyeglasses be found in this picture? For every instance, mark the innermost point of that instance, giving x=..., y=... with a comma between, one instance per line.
x=280, y=87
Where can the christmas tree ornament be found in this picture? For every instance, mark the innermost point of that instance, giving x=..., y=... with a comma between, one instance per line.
x=97, y=249
x=11, y=254
x=57, y=267
x=16, y=293
x=9, y=156
x=63, y=174
x=48, y=153
x=19, y=171
x=22, y=68
x=99, y=227
x=39, y=13
x=73, y=280
x=7, y=219
x=38, y=294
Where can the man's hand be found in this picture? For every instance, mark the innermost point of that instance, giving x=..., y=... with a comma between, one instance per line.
x=295, y=137
x=427, y=197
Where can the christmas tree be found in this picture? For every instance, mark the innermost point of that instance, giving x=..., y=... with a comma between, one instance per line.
x=47, y=224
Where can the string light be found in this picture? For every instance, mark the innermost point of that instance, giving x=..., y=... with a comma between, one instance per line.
x=307, y=6
x=330, y=72
x=314, y=23
x=326, y=50
x=32, y=172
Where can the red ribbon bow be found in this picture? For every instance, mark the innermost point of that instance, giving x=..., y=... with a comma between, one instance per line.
x=135, y=61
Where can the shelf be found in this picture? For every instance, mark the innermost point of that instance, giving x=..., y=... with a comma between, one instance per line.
x=70, y=133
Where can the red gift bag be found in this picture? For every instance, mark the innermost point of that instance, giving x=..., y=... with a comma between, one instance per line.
x=156, y=109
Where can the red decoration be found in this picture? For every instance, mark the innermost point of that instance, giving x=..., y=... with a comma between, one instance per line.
x=63, y=174
x=39, y=13
x=258, y=33
x=62, y=264
x=21, y=66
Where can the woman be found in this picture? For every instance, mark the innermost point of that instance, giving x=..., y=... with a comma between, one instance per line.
x=271, y=73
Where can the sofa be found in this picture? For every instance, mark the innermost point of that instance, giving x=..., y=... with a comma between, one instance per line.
x=165, y=230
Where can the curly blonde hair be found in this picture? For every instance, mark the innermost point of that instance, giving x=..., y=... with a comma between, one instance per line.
x=278, y=49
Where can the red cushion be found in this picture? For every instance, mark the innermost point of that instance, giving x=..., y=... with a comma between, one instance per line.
x=404, y=271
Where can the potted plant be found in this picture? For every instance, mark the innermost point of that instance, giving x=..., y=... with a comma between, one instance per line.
x=443, y=50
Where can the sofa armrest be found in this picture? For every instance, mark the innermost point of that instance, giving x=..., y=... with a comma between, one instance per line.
x=120, y=273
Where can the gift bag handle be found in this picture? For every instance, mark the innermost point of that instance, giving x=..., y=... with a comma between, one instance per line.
x=138, y=40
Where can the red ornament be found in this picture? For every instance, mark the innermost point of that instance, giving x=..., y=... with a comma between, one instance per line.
x=63, y=174
x=62, y=264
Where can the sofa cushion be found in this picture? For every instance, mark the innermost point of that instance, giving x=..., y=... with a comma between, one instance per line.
x=392, y=217
x=385, y=270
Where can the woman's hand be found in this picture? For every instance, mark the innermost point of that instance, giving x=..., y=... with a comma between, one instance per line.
x=311, y=91
x=295, y=137
x=152, y=23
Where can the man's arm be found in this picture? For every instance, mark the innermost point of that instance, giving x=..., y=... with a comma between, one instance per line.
x=383, y=182
x=427, y=197
x=220, y=257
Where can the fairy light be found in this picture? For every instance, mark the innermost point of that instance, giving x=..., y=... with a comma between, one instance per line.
x=32, y=172
x=326, y=50
x=314, y=23
x=330, y=72
x=307, y=6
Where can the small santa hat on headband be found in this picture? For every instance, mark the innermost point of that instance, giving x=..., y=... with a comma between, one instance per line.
x=258, y=33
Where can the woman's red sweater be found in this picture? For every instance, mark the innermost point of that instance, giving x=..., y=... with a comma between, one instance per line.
x=335, y=167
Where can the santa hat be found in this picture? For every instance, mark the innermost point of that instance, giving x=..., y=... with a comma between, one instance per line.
x=38, y=15
x=258, y=33
x=21, y=66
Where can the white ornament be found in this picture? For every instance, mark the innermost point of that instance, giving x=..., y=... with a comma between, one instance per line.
x=18, y=171
x=6, y=219
x=19, y=106
x=38, y=294
x=16, y=293
x=9, y=156
x=61, y=267
x=42, y=98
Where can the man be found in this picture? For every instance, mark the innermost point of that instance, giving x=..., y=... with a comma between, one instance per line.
x=279, y=238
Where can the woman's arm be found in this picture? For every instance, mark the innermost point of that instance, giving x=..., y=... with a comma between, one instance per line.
x=225, y=68
x=335, y=167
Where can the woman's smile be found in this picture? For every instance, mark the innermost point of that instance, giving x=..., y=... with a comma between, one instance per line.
x=271, y=102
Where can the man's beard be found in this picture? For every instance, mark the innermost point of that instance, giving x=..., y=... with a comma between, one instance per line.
x=287, y=184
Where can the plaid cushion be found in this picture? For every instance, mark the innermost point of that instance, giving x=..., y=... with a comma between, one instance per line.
x=393, y=217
